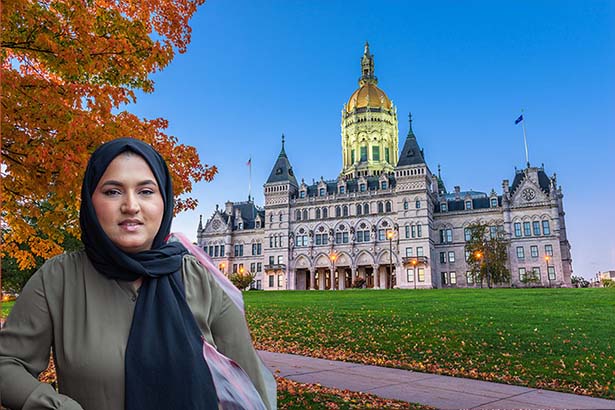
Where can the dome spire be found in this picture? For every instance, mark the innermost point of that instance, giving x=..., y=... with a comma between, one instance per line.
x=367, y=68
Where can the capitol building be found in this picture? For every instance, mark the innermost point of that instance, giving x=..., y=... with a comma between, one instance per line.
x=387, y=220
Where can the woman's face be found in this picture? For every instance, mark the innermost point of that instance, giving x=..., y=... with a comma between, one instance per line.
x=128, y=203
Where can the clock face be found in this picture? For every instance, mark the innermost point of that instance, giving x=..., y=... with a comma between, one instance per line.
x=528, y=194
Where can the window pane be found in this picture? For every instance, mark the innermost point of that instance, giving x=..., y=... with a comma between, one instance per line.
x=546, y=230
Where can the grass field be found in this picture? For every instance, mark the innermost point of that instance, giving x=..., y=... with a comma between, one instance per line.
x=6, y=308
x=559, y=339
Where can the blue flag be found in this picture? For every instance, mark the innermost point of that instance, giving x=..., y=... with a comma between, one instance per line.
x=518, y=120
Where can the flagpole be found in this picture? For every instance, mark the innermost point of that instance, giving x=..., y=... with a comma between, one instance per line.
x=527, y=158
x=250, y=178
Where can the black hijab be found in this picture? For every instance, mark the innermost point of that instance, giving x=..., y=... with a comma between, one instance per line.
x=164, y=364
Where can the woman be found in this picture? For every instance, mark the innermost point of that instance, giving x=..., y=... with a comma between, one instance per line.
x=126, y=317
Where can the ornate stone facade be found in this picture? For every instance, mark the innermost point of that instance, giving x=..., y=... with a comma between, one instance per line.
x=386, y=220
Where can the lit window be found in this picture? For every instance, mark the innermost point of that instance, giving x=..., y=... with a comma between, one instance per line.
x=419, y=251
x=534, y=251
x=451, y=256
x=520, y=252
x=518, y=229
x=408, y=252
x=469, y=278
x=280, y=277
x=551, y=272
x=444, y=276
x=410, y=275
x=522, y=274
x=493, y=232
x=421, y=275
x=376, y=154
x=280, y=259
x=527, y=231
x=363, y=154
x=549, y=250
x=467, y=234
x=453, y=278
x=381, y=235
x=446, y=235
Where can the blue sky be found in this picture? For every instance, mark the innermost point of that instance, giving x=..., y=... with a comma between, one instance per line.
x=255, y=70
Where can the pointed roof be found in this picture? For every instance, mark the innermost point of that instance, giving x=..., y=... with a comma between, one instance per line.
x=411, y=154
x=282, y=170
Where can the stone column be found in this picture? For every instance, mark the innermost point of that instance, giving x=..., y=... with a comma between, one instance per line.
x=376, y=269
x=342, y=278
x=321, y=279
x=312, y=278
x=353, y=274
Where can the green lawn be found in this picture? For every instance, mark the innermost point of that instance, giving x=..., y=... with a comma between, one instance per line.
x=6, y=308
x=561, y=339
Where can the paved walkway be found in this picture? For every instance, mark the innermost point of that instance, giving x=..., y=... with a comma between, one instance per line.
x=442, y=392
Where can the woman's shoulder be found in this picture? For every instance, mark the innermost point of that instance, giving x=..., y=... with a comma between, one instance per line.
x=64, y=266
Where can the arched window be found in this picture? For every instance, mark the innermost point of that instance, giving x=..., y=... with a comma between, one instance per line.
x=317, y=213
x=325, y=213
x=280, y=217
x=359, y=209
x=388, y=206
x=305, y=214
x=345, y=210
x=298, y=215
x=405, y=205
x=417, y=204
x=338, y=211
x=366, y=209
x=380, y=208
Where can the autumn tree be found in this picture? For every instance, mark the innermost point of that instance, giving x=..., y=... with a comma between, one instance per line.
x=69, y=69
x=487, y=254
x=242, y=279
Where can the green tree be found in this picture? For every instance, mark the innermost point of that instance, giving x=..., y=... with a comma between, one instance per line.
x=488, y=254
x=242, y=280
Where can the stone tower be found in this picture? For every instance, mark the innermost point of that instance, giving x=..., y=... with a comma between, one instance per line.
x=369, y=127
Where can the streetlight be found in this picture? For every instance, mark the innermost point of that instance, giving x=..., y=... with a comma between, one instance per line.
x=479, y=256
x=333, y=257
x=548, y=275
x=222, y=266
x=390, y=235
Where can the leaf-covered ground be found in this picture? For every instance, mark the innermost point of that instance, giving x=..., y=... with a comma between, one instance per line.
x=299, y=396
x=558, y=339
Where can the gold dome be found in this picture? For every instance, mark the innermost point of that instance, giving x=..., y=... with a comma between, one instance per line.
x=368, y=95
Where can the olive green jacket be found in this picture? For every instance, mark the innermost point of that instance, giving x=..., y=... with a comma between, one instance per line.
x=85, y=317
